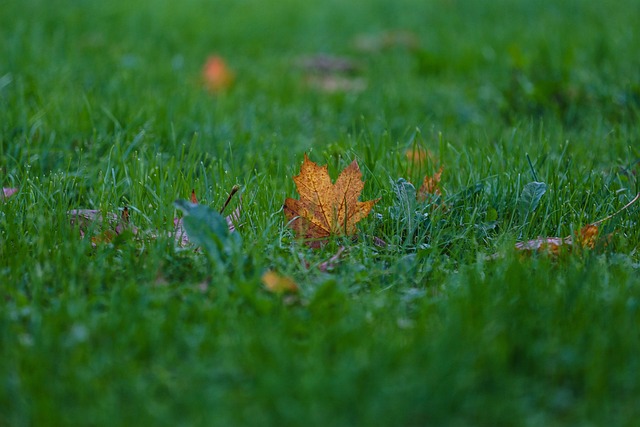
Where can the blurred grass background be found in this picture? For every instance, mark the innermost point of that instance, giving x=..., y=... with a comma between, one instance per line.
x=102, y=105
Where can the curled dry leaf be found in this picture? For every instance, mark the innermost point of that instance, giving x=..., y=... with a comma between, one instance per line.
x=586, y=237
x=180, y=234
x=379, y=242
x=328, y=64
x=373, y=43
x=331, y=263
x=107, y=228
x=216, y=74
x=326, y=209
x=325, y=266
x=278, y=284
x=337, y=84
x=332, y=74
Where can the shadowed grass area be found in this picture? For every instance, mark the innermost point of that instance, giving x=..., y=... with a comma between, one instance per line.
x=102, y=106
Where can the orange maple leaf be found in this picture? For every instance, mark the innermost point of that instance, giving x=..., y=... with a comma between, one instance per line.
x=430, y=185
x=326, y=209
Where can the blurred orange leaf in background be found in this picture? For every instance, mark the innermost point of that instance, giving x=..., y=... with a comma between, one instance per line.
x=216, y=74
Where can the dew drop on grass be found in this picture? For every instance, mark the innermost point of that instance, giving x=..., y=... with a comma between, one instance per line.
x=25, y=340
x=78, y=333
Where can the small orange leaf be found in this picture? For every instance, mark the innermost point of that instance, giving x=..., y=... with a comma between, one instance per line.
x=588, y=236
x=216, y=74
x=430, y=186
x=326, y=209
x=277, y=283
x=194, y=199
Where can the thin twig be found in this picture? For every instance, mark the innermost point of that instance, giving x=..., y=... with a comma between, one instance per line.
x=233, y=191
x=635, y=199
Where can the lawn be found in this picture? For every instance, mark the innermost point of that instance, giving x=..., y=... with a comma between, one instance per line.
x=429, y=315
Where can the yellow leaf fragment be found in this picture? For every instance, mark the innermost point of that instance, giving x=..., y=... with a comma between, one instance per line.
x=430, y=186
x=278, y=284
x=588, y=236
x=326, y=209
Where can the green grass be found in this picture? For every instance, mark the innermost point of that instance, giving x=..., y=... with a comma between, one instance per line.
x=102, y=106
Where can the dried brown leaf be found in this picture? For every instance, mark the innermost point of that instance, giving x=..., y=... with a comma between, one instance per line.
x=180, y=234
x=586, y=237
x=331, y=263
x=8, y=192
x=328, y=64
x=106, y=229
x=337, y=84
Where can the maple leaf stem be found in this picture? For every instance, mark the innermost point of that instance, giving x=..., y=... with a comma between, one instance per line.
x=233, y=191
x=635, y=199
x=346, y=216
